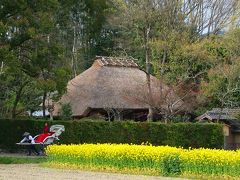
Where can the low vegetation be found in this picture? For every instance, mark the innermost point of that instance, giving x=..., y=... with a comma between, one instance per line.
x=21, y=160
x=146, y=159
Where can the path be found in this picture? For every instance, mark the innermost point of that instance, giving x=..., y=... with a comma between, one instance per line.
x=36, y=172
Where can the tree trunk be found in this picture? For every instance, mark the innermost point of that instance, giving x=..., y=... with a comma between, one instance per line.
x=14, y=109
x=31, y=113
x=163, y=62
x=43, y=104
x=148, y=67
x=150, y=109
x=1, y=68
x=51, y=115
x=17, y=99
x=220, y=113
x=74, y=55
x=109, y=115
x=150, y=114
x=117, y=115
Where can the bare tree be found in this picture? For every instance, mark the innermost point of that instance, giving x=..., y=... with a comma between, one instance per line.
x=141, y=17
x=209, y=16
x=114, y=113
x=166, y=101
x=74, y=53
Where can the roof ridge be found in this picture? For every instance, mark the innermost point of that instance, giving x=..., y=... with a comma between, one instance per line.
x=116, y=61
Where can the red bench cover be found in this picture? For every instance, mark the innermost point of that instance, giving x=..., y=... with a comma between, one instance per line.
x=41, y=137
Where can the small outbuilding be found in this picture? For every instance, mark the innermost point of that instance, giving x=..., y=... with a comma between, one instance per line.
x=116, y=86
x=231, y=129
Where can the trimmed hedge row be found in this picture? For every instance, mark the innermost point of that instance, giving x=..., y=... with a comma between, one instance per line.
x=186, y=135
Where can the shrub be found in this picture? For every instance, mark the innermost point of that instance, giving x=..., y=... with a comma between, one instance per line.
x=66, y=111
x=170, y=165
x=85, y=131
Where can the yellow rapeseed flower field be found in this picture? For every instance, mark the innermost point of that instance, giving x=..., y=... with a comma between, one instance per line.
x=160, y=159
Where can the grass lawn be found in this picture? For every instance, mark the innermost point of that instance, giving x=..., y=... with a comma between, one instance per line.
x=21, y=160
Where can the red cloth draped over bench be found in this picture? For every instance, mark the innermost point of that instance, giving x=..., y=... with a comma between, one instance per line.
x=41, y=137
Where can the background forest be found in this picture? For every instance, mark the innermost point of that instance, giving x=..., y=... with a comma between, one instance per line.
x=191, y=45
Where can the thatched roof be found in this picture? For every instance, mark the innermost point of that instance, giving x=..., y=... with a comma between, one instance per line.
x=110, y=83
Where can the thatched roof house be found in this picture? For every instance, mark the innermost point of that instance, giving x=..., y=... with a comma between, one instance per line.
x=113, y=83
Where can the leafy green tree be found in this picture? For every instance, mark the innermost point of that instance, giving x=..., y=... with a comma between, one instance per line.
x=223, y=86
x=66, y=112
x=223, y=83
x=190, y=61
x=83, y=28
x=29, y=46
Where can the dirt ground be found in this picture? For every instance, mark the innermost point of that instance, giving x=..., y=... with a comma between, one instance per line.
x=36, y=172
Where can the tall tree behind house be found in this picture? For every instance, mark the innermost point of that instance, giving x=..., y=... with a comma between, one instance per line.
x=82, y=28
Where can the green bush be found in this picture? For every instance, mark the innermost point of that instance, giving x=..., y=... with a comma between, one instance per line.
x=171, y=165
x=66, y=111
x=186, y=135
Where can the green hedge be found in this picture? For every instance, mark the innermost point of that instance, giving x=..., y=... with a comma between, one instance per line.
x=186, y=135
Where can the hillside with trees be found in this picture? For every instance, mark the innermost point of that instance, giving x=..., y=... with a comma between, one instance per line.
x=191, y=45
